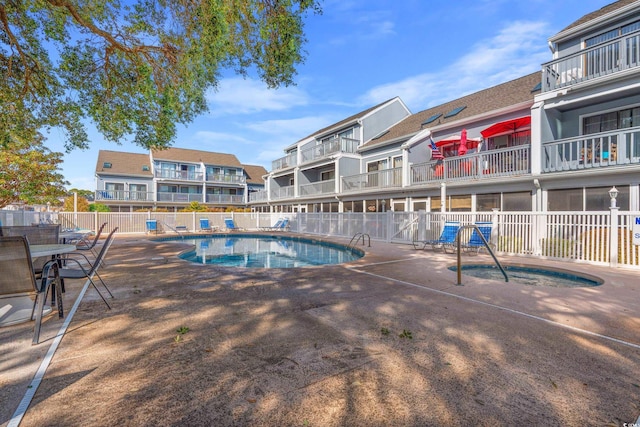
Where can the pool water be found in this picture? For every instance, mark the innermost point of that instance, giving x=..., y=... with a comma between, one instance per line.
x=531, y=275
x=263, y=251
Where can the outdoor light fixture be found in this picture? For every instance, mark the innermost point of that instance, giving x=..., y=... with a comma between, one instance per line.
x=613, y=193
x=384, y=204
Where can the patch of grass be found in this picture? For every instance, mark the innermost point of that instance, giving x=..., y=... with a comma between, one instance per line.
x=384, y=331
x=406, y=334
x=181, y=331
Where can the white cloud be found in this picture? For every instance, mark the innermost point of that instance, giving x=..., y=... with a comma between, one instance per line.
x=209, y=137
x=518, y=49
x=244, y=96
x=298, y=128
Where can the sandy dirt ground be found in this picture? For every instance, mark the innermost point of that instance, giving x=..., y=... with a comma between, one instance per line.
x=388, y=340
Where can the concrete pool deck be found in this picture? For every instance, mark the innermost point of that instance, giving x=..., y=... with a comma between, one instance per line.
x=387, y=340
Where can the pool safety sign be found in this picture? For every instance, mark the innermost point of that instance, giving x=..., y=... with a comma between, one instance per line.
x=636, y=231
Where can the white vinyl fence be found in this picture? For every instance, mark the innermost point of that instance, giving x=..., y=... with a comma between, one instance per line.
x=568, y=236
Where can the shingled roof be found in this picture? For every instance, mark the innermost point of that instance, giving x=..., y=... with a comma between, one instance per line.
x=600, y=12
x=254, y=174
x=196, y=156
x=348, y=120
x=123, y=163
x=501, y=96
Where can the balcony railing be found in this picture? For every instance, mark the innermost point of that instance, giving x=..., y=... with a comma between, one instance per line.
x=509, y=161
x=617, y=55
x=180, y=197
x=287, y=161
x=258, y=196
x=282, y=193
x=605, y=149
x=320, y=187
x=341, y=145
x=235, y=199
x=388, y=178
x=178, y=175
x=228, y=179
x=121, y=195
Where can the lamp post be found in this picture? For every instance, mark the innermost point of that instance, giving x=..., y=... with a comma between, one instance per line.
x=613, y=231
x=613, y=194
x=384, y=205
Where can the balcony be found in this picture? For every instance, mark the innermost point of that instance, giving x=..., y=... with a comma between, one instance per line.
x=290, y=160
x=378, y=180
x=619, y=54
x=178, y=175
x=511, y=161
x=259, y=196
x=180, y=197
x=282, y=193
x=324, y=150
x=605, y=149
x=121, y=195
x=318, y=188
x=226, y=179
x=226, y=199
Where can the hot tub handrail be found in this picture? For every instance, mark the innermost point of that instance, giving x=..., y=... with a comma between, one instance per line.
x=486, y=244
x=356, y=238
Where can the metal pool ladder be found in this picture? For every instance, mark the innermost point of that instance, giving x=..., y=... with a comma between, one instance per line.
x=356, y=238
x=486, y=244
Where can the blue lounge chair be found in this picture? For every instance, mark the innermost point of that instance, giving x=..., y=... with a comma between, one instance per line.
x=284, y=225
x=281, y=225
x=475, y=242
x=230, y=225
x=205, y=226
x=447, y=237
x=274, y=226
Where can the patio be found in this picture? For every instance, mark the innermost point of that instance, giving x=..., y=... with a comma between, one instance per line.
x=387, y=340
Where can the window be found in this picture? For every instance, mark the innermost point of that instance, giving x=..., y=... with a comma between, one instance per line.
x=397, y=162
x=377, y=166
x=435, y=204
x=459, y=203
x=586, y=199
x=604, y=57
x=163, y=188
x=106, y=165
x=612, y=120
x=327, y=175
x=138, y=191
x=487, y=202
x=565, y=200
x=455, y=111
x=520, y=201
x=597, y=198
x=432, y=119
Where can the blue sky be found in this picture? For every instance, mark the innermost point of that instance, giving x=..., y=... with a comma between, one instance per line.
x=360, y=53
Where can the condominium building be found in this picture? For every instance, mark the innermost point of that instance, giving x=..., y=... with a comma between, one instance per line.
x=555, y=140
x=174, y=178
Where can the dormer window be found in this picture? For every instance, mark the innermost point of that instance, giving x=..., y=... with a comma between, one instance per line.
x=106, y=165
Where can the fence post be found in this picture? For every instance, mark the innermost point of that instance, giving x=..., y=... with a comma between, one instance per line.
x=613, y=236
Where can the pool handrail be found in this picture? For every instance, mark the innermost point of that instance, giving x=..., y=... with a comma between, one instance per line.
x=486, y=244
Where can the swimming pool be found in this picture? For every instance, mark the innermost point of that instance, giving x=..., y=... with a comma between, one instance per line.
x=265, y=251
x=531, y=275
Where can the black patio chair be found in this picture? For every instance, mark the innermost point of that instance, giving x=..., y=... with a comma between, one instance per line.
x=18, y=283
x=85, y=244
x=88, y=269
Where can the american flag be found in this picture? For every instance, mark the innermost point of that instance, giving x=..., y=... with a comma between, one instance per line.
x=435, y=152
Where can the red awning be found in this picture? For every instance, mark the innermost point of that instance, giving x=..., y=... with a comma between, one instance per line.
x=455, y=139
x=509, y=126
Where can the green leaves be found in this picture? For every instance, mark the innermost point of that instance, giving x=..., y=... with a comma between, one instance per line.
x=137, y=70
